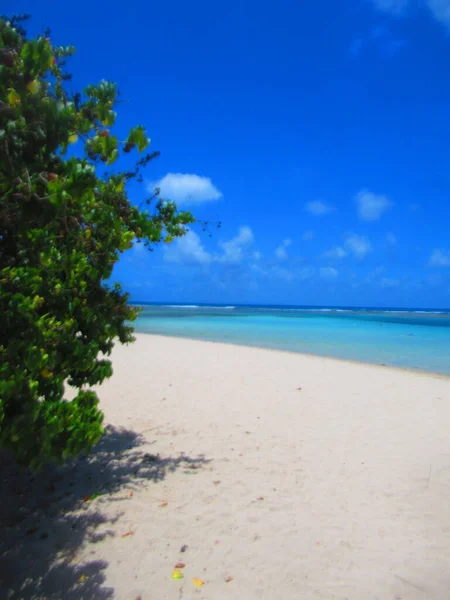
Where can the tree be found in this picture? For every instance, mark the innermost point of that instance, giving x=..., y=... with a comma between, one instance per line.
x=64, y=221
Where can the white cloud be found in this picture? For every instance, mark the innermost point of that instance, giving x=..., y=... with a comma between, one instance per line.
x=439, y=9
x=187, y=249
x=391, y=238
x=371, y=206
x=337, y=252
x=440, y=258
x=328, y=273
x=307, y=236
x=318, y=208
x=185, y=188
x=281, y=251
x=358, y=245
x=257, y=255
x=354, y=244
x=233, y=249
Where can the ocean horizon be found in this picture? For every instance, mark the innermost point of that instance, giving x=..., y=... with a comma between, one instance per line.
x=412, y=338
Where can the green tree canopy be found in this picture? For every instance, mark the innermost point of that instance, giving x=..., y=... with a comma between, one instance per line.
x=64, y=221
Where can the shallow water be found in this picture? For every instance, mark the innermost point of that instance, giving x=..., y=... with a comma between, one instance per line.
x=416, y=339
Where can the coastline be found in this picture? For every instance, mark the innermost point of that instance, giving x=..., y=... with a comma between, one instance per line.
x=295, y=307
x=268, y=474
x=411, y=370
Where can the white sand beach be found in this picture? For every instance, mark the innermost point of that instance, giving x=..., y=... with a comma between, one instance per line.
x=279, y=475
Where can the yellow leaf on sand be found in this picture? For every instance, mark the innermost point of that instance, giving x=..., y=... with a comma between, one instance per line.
x=198, y=582
x=177, y=574
x=82, y=578
x=73, y=138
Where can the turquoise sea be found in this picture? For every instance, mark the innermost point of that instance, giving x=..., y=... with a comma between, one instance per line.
x=415, y=339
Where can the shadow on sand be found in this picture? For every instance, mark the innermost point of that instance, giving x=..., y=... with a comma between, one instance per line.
x=46, y=518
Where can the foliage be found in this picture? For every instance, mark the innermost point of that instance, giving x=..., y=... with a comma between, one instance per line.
x=64, y=222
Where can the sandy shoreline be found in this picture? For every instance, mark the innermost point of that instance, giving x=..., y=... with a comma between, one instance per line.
x=306, y=355
x=337, y=490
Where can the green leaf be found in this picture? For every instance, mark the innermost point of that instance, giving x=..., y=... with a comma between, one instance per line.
x=138, y=137
x=68, y=221
x=13, y=97
x=113, y=157
x=109, y=118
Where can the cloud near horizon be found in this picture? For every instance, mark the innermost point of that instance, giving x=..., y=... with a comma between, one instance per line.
x=189, y=249
x=236, y=263
x=186, y=188
x=354, y=244
x=233, y=249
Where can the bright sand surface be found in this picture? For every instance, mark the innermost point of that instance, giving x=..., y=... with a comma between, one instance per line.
x=298, y=477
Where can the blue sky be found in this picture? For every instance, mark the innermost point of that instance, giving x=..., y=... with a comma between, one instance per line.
x=316, y=131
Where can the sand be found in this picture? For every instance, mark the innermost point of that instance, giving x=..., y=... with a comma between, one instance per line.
x=280, y=476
